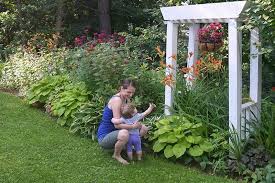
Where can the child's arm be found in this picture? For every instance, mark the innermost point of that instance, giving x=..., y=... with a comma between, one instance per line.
x=120, y=124
x=149, y=110
x=117, y=121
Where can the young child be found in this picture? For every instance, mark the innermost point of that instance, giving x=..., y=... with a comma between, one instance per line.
x=130, y=115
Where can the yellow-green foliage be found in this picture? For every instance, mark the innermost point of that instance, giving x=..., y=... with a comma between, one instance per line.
x=24, y=69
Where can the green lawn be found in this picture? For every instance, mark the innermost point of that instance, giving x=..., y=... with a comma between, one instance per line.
x=33, y=148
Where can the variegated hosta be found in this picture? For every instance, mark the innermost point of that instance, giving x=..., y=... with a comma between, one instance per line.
x=24, y=69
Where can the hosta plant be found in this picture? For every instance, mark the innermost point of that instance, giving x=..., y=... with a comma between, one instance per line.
x=69, y=101
x=177, y=136
x=87, y=117
x=43, y=90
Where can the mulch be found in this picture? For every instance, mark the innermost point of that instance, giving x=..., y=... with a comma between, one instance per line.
x=10, y=91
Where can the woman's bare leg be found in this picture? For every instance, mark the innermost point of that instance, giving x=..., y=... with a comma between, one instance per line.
x=122, y=139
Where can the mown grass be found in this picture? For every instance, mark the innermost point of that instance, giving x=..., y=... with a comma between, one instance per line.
x=33, y=148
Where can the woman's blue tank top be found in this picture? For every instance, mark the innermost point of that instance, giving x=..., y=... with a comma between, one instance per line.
x=106, y=126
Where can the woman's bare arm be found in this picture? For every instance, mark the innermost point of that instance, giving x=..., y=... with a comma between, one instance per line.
x=116, y=104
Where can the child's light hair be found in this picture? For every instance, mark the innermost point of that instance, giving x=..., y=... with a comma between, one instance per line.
x=128, y=110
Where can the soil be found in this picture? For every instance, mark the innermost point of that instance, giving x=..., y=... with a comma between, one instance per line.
x=11, y=91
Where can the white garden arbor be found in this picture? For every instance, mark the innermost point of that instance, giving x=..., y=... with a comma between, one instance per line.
x=226, y=12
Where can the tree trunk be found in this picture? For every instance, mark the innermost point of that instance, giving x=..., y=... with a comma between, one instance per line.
x=104, y=16
x=59, y=16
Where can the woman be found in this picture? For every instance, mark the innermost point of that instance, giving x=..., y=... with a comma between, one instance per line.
x=112, y=134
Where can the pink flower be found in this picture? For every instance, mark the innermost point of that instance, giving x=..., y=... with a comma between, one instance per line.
x=78, y=41
x=211, y=33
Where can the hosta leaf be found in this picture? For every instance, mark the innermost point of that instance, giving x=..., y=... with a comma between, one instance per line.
x=184, y=119
x=154, y=136
x=163, y=138
x=172, y=138
x=61, y=121
x=179, y=136
x=197, y=139
x=178, y=130
x=67, y=112
x=33, y=101
x=198, y=125
x=190, y=139
x=179, y=150
x=162, y=122
x=195, y=151
x=186, y=126
x=158, y=146
x=206, y=146
x=163, y=130
x=184, y=143
x=168, y=151
x=194, y=139
x=60, y=111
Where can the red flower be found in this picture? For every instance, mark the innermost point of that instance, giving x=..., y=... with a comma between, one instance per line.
x=78, y=41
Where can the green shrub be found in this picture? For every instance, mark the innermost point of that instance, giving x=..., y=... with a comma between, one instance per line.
x=101, y=69
x=87, y=117
x=7, y=23
x=149, y=87
x=177, y=135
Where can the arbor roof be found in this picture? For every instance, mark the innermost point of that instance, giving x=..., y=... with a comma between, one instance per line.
x=204, y=13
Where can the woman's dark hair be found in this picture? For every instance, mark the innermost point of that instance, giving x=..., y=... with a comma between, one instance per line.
x=128, y=82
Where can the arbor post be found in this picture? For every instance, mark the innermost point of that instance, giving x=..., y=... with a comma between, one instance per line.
x=171, y=55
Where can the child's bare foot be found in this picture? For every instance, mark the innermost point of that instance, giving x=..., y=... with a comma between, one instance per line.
x=121, y=160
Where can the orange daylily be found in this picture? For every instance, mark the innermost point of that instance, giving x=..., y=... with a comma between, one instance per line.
x=162, y=64
x=170, y=66
x=168, y=80
x=159, y=52
x=185, y=69
x=174, y=57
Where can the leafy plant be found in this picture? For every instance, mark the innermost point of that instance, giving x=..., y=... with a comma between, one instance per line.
x=1, y=68
x=69, y=101
x=103, y=66
x=149, y=81
x=263, y=130
x=87, y=117
x=177, y=135
x=255, y=158
x=261, y=175
x=24, y=69
x=206, y=100
x=219, y=155
x=43, y=89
